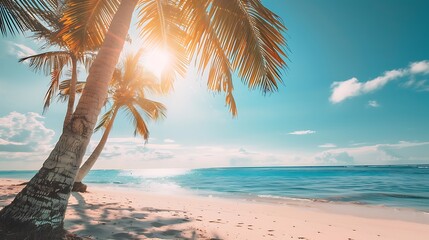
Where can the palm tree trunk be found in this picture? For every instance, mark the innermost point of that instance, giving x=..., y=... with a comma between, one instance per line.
x=72, y=91
x=89, y=163
x=38, y=211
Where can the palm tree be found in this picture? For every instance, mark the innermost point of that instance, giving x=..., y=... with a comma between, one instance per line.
x=239, y=36
x=54, y=62
x=128, y=90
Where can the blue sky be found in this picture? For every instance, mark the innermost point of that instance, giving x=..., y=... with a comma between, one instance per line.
x=356, y=91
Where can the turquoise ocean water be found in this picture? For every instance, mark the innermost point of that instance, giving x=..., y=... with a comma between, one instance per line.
x=395, y=186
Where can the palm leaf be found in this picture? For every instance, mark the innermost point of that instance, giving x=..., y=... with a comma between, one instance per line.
x=19, y=15
x=48, y=61
x=160, y=27
x=86, y=22
x=140, y=126
x=87, y=59
x=154, y=110
x=52, y=89
x=65, y=85
x=51, y=63
x=205, y=47
x=149, y=83
x=105, y=119
x=131, y=68
x=251, y=35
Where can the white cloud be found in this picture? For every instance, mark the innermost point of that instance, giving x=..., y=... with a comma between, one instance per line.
x=334, y=158
x=119, y=154
x=302, y=132
x=25, y=142
x=168, y=140
x=130, y=153
x=24, y=133
x=381, y=81
x=397, y=153
x=127, y=152
x=419, y=85
x=328, y=145
x=373, y=103
x=420, y=67
x=345, y=89
x=353, y=87
x=21, y=50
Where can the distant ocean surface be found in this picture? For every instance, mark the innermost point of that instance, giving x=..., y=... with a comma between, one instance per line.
x=395, y=186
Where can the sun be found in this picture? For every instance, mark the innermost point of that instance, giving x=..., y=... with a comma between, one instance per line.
x=156, y=60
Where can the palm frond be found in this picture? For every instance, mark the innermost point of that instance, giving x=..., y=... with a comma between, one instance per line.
x=106, y=118
x=160, y=27
x=116, y=77
x=49, y=31
x=65, y=85
x=251, y=35
x=20, y=15
x=204, y=45
x=140, y=126
x=154, y=110
x=131, y=67
x=87, y=59
x=52, y=89
x=86, y=23
x=230, y=101
x=48, y=61
x=149, y=83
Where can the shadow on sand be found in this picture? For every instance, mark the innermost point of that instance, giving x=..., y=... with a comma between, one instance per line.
x=114, y=220
x=125, y=222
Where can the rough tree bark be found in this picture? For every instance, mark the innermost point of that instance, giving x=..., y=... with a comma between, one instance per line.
x=78, y=186
x=38, y=211
x=72, y=92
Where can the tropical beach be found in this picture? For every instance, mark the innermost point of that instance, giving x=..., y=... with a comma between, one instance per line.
x=184, y=204
x=115, y=213
x=217, y=119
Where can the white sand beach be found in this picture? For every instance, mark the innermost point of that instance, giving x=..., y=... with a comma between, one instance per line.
x=112, y=213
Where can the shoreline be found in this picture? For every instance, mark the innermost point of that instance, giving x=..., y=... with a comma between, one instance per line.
x=106, y=213
x=345, y=208
x=282, y=187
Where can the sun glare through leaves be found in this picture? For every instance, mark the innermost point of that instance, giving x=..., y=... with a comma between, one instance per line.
x=156, y=61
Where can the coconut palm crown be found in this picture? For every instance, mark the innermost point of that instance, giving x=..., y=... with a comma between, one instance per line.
x=220, y=37
x=57, y=60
